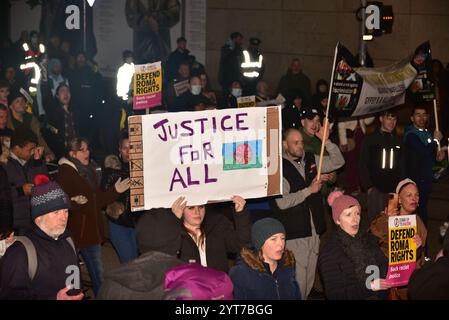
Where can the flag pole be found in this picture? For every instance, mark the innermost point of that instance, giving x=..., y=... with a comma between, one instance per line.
x=435, y=111
x=326, y=121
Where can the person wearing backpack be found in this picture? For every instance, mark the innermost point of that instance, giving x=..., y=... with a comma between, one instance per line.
x=268, y=272
x=43, y=265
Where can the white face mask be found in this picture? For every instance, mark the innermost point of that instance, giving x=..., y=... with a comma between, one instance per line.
x=7, y=142
x=236, y=92
x=195, y=89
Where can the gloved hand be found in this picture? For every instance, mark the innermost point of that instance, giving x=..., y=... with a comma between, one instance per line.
x=122, y=185
x=79, y=199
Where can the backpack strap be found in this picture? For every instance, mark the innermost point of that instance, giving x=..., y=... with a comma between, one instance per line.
x=31, y=255
x=72, y=244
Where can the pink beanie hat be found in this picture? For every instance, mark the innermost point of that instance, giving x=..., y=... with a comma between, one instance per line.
x=339, y=202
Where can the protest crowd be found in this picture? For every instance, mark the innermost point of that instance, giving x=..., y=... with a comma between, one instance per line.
x=65, y=180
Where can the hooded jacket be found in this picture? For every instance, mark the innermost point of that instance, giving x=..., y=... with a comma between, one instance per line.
x=253, y=279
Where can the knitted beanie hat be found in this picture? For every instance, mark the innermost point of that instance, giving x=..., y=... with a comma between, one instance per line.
x=47, y=196
x=339, y=202
x=263, y=229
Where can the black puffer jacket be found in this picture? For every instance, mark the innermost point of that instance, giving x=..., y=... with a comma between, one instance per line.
x=161, y=230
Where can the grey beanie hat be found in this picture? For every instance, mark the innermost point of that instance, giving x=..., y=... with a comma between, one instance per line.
x=263, y=229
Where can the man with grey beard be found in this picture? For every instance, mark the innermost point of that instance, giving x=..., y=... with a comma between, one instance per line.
x=43, y=265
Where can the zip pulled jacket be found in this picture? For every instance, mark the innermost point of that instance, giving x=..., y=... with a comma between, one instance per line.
x=253, y=279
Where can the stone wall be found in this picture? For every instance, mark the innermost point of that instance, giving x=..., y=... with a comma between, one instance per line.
x=309, y=29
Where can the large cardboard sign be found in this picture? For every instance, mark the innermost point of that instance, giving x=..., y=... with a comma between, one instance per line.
x=206, y=156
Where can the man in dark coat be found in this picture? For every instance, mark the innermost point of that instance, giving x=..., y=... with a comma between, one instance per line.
x=21, y=168
x=421, y=152
x=57, y=262
x=296, y=82
x=230, y=61
x=381, y=163
x=180, y=55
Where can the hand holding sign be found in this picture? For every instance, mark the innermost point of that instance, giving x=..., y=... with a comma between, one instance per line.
x=178, y=207
x=315, y=186
x=380, y=284
x=418, y=241
x=438, y=135
x=239, y=203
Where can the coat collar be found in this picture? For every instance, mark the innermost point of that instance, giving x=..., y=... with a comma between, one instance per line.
x=67, y=162
x=252, y=260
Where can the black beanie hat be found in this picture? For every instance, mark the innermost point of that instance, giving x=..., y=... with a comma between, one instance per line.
x=263, y=229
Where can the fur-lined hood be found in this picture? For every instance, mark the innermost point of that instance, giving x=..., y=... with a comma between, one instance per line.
x=252, y=260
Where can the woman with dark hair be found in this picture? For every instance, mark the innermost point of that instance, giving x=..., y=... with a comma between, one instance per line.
x=268, y=272
x=344, y=259
x=192, y=235
x=78, y=178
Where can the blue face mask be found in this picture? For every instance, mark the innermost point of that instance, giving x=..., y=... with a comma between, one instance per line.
x=236, y=92
x=195, y=89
